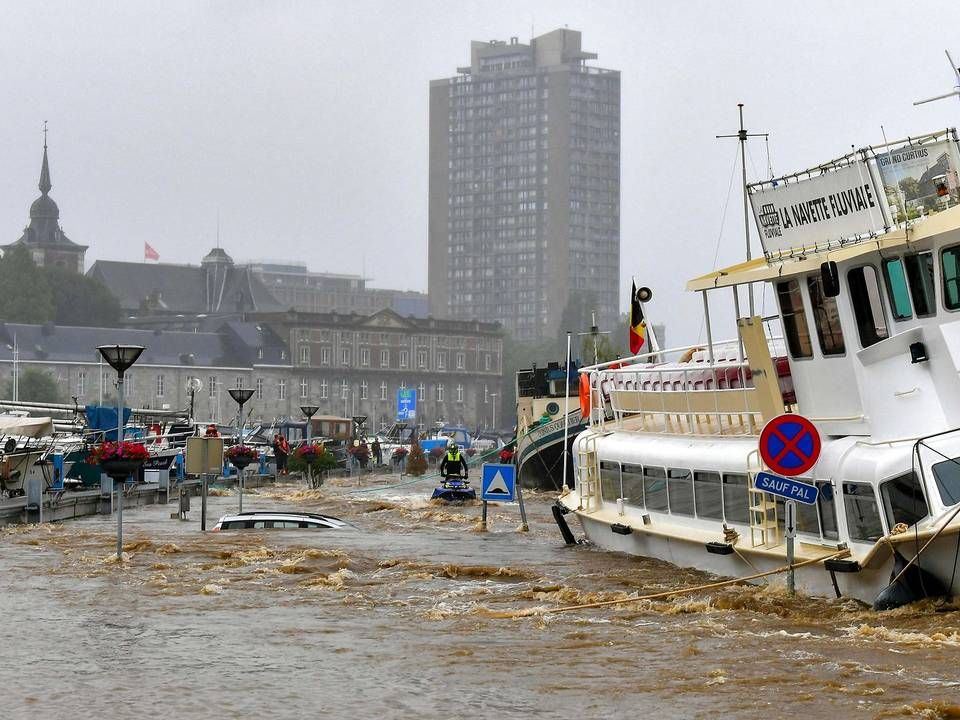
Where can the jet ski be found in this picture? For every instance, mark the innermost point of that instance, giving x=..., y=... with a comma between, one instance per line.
x=454, y=490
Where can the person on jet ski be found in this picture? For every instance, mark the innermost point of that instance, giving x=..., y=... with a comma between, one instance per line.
x=454, y=464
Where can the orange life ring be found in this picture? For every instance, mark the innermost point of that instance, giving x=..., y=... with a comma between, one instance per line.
x=584, y=396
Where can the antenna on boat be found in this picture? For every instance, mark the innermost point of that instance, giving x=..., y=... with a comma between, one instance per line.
x=595, y=333
x=742, y=136
x=956, y=88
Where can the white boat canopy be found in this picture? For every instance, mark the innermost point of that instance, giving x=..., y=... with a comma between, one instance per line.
x=20, y=426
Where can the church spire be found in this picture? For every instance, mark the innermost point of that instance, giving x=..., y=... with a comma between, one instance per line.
x=45, y=184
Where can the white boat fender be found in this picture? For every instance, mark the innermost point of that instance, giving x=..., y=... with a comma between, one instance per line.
x=912, y=585
x=558, y=515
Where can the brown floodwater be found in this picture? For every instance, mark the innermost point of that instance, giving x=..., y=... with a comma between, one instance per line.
x=415, y=613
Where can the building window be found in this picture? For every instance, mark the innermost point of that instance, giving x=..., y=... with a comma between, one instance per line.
x=324, y=356
x=441, y=361
x=384, y=358
x=486, y=362
x=794, y=320
x=404, y=358
x=239, y=382
x=211, y=386
x=459, y=392
x=282, y=389
x=259, y=388
x=383, y=391
x=81, y=383
x=345, y=356
x=867, y=305
x=365, y=357
x=826, y=318
x=343, y=389
x=439, y=392
x=304, y=388
x=421, y=358
x=304, y=354
x=486, y=395
x=363, y=389
x=159, y=386
x=323, y=390
x=461, y=361
x=420, y=392
x=259, y=353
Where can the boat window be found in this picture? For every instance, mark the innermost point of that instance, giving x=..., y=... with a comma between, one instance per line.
x=920, y=274
x=826, y=318
x=680, y=486
x=794, y=319
x=903, y=500
x=610, y=480
x=897, y=290
x=708, y=494
x=631, y=480
x=827, y=505
x=863, y=515
x=808, y=520
x=950, y=266
x=735, y=499
x=947, y=475
x=867, y=305
x=655, y=488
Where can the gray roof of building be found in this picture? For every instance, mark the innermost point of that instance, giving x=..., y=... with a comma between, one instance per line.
x=56, y=343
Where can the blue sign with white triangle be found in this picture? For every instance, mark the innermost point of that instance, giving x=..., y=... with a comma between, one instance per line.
x=499, y=482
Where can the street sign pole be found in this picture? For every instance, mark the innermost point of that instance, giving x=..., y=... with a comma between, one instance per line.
x=790, y=524
x=483, y=518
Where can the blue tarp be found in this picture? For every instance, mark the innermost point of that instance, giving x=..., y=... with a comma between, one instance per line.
x=101, y=417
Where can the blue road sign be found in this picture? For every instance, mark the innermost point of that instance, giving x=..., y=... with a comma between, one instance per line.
x=499, y=482
x=786, y=488
x=406, y=404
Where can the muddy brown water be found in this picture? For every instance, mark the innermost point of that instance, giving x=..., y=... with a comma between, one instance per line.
x=417, y=614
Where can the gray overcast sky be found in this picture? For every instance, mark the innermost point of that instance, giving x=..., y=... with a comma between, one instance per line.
x=305, y=123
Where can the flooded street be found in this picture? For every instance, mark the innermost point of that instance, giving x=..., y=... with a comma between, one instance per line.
x=416, y=614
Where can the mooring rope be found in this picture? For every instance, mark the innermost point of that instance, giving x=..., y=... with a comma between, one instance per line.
x=684, y=591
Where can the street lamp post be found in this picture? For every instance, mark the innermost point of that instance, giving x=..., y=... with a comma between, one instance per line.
x=120, y=358
x=240, y=396
x=494, y=396
x=309, y=411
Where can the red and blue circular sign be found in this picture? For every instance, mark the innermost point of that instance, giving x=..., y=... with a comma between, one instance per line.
x=790, y=445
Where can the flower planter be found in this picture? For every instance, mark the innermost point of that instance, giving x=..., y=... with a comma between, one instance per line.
x=240, y=462
x=120, y=470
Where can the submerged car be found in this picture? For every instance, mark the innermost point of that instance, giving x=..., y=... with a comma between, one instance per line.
x=274, y=520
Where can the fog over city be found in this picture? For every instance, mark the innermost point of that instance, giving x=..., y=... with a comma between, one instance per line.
x=303, y=125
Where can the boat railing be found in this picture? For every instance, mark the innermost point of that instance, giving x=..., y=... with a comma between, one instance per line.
x=717, y=394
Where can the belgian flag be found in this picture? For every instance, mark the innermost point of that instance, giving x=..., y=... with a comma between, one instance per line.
x=638, y=326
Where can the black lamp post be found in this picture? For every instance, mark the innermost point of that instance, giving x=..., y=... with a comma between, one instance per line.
x=240, y=396
x=309, y=411
x=120, y=358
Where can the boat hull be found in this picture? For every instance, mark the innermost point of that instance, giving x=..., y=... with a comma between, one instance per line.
x=540, y=454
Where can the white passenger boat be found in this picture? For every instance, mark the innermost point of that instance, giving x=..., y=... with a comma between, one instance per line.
x=865, y=267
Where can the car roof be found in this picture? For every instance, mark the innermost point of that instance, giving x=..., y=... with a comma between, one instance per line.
x=280, y=515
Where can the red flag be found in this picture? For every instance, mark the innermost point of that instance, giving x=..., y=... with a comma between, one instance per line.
x=149, y=253
x=638, y=326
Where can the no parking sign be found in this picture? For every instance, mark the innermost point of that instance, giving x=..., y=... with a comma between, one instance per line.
x=790, y=445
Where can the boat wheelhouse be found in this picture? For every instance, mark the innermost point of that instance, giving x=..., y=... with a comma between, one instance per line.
x=866, y=345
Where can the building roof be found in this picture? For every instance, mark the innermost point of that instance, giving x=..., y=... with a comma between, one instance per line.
x=57, y=343
x=182, y=289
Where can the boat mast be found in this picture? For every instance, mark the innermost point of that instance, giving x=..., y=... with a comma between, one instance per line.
x=742, y=136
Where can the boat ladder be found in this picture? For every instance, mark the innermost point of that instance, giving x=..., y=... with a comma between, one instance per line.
x=588, y=474
x=764, y=523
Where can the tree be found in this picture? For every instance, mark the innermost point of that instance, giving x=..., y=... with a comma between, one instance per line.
x=35, y=386
x=416, y=460
x=80, y=300
x=910, y=188
x=26, y=296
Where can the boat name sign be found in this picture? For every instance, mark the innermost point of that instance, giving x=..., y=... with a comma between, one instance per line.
x=786, y=488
